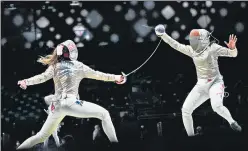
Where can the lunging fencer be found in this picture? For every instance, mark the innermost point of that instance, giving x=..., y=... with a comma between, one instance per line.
x=204, y=53
x=55, y=135
x=49, y=99
x=67, y=74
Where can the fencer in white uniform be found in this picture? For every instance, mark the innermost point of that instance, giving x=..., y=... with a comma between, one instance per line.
x=210, y=83
x=67, y=74
x=49, y=99
x=55, y=135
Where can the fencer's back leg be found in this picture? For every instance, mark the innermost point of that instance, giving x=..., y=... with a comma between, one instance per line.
x=91, y=110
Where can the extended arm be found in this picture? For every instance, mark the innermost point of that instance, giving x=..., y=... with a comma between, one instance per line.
x=185, y=49
x=43, y=77
x=40, y=78
x=97, y=75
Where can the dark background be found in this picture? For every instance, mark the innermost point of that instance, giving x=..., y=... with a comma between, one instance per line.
x=162, y=84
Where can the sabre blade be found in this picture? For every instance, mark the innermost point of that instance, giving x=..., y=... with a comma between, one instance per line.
x=148, y=26
x=124, y=74
x=145, y=60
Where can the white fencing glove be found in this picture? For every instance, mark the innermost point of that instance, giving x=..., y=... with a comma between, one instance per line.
x=22, y=84
x=121, y=79
x=159, y=30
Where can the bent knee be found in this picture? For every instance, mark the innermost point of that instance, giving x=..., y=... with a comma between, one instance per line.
x=216, y=108
x=105, y=114
x=186, y=111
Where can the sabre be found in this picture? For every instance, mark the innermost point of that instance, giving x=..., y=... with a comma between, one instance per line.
x=143, y=62
x=151, y=27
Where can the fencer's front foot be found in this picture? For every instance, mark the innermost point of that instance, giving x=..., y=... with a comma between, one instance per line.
x=236, y=127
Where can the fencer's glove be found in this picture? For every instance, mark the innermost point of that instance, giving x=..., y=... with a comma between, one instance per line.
x=159, y=30
x=22, y=84
x=120, y=79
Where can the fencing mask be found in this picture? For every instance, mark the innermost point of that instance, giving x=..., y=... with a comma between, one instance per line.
x=199, y=39
x=70, y=45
